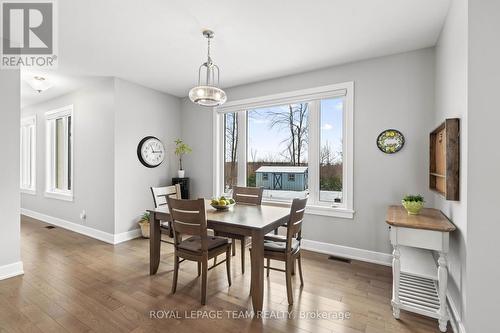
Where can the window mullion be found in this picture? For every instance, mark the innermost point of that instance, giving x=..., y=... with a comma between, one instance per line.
x=314, y=150
x=242, y=148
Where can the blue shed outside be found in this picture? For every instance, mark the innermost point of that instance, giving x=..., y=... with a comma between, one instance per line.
x=284, y=178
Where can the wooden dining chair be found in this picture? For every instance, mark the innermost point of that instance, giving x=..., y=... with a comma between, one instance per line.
x=189, y=218
x=287, y=248
x=160, y=195
x=244, y=196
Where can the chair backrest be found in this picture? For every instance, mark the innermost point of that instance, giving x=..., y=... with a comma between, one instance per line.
x=160, y=194
x=248, y=195
x=294, y=226
x=188, y=217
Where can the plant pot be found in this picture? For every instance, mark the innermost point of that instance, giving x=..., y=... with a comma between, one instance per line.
x=181, y=173
x=144, y=228
x=413, y=207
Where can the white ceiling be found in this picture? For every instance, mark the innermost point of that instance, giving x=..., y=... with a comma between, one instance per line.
x=158, y=43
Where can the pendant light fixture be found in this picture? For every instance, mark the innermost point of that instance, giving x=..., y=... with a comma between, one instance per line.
x=208, y=93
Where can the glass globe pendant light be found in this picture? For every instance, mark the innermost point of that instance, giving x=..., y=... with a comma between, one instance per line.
x=208, y=93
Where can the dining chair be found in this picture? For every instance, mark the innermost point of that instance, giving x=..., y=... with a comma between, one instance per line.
x=287, y=248
x=160, y=195
x=189, y=218
x=244, y=196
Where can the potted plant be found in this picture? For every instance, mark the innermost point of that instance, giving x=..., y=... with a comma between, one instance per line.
x=144, y=224
x=180, y=150
x=413, y=204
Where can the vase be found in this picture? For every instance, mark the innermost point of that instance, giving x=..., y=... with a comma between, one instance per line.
x=181, y=173
x=413, y=207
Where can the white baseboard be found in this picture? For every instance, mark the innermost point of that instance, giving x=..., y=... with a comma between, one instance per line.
x=84, y=230
x=126, y=236
x=455, y=318
x=348, y=252
x=11, y=270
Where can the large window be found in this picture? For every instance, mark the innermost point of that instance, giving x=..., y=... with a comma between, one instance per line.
x=296, y=144
x=59, y=180
x=28, y=155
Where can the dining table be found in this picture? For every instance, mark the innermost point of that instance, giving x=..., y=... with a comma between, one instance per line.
x=240, y=219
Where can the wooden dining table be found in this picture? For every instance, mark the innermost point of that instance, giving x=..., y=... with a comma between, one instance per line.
x=246, y=220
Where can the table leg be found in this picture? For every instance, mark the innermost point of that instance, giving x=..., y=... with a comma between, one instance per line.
x=442, y=284
x=396, y=271
x=154, y=244
x=257, y=284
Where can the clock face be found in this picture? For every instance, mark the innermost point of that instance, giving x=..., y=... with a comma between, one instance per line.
x=151, y=152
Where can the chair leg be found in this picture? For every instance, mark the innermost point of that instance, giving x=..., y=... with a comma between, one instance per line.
x=233, y=245
x=228, y=265
x=288, y=269
x=276, y=231
x=199, y=268
x=293, y=267
x=215, y=260
x=204, y=271
x=268, y=265
x=299, y=260
x=243, y=256
x=176, y=273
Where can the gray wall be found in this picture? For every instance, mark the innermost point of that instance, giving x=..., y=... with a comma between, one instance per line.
x=9, y=167
x=141, y=112
x=483, y=228
x=390, y=92
x=93, y=158
x=451, y=102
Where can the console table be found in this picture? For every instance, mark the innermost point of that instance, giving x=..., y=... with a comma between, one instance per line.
x=419, y=285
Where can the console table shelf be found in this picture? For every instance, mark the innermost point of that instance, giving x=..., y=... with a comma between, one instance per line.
x=419, y=285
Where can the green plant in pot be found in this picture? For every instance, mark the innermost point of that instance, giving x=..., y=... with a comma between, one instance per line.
x=413, y=204
x=181, y=149
x=144, y=224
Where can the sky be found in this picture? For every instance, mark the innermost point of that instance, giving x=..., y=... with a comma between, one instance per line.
x=269, y=142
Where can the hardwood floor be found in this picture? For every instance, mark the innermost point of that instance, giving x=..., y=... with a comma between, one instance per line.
x=73, y=283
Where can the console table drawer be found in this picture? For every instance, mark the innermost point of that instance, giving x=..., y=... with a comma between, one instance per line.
x=421, y=238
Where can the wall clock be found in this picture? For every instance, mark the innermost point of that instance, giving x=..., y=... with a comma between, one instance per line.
x=390, y=141
x=151, y=152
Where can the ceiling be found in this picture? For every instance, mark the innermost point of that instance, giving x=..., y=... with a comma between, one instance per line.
x=158, y=43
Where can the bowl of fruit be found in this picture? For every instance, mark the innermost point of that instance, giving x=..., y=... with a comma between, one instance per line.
x=222, y=203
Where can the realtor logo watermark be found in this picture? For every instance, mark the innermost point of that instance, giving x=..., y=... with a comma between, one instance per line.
x=29, y=35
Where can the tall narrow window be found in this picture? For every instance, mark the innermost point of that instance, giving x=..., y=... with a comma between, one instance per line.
x=331, y=150
x=28, y=155
x=59, y=183
x=230, y=150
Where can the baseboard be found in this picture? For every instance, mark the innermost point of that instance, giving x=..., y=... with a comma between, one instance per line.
x=84, y=230
x=348, y=252
x=455, y=318
x=11, y=270
x=126, y=236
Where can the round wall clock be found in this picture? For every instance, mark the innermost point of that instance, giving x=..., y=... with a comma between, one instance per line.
x=390, y=141
x=151, y=152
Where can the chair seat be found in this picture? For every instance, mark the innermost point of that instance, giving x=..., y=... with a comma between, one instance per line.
x=277, y=238
x=279, y=246
x=193, y=244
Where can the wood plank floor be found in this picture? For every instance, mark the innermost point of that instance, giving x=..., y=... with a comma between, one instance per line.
x=73, y=283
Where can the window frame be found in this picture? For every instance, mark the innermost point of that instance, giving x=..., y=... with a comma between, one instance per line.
x=313, y=96
x=50, y=120
x=28, y=121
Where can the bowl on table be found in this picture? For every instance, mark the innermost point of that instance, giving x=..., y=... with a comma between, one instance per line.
x=222, y=204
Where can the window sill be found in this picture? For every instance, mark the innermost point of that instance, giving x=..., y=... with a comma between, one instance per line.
x=344, y=213
x=59, y=196
x=28, y=191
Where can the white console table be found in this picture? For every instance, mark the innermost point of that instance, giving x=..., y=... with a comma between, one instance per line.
x=419, y=285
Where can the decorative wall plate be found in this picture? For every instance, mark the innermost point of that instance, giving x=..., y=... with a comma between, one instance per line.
x=390, y=141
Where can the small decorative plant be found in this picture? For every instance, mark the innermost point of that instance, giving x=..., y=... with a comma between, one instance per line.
x=181, y=149
x=413, y=204
x=144, y=224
